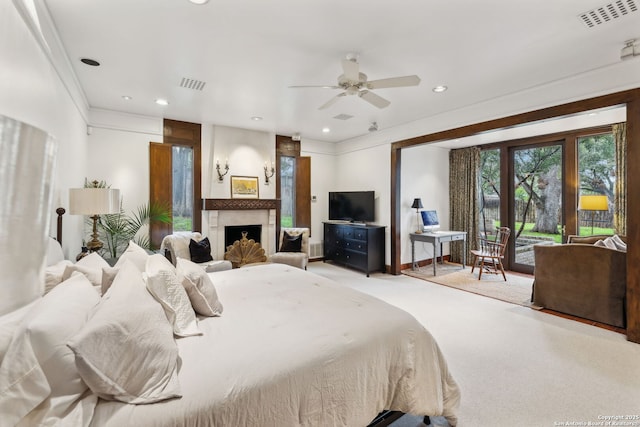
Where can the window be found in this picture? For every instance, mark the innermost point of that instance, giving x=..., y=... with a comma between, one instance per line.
x=597, y=177
x=174, y=178
x=287, y=191
x=294, y=184
x=182, y=179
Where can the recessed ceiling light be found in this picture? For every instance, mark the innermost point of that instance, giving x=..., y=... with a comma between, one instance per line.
x=199, y=1
x=256, y=118
x=439, y=89
x=161, y=101
x=126, y=97
x=89, y=61
x=326, y=130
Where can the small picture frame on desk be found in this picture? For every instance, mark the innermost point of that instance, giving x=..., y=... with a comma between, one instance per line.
x=244, y=187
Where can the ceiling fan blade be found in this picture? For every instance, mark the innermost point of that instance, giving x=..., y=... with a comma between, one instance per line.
x=373, y=99
x=332, y=101
x=351, y=70
x=394, y=82
x=319, y=86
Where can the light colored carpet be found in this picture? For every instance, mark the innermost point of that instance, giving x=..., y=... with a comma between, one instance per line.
x=516, y=290
x=515, y=366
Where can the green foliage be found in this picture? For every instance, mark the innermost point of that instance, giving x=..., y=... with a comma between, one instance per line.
x=182, y=223
x=116, y=230
x=286, y=221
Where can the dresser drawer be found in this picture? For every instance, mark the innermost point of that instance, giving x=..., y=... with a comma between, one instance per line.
x=355, y=245
x=354, y=233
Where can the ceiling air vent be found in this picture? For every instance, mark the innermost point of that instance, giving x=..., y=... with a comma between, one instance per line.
x=343, y=117
x=192, y=84
x=608, y=12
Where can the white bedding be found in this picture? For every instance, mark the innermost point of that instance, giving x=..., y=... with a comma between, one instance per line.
x=296, y=349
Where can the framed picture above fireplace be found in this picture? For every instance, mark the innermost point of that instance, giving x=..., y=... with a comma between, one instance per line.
x=244, y=187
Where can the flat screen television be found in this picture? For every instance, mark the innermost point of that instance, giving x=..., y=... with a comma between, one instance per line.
x=353, y=206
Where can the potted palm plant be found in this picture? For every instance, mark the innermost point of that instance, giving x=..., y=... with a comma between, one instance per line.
x=116, y=230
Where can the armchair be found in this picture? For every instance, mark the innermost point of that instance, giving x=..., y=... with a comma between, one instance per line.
x=177, y=245
x=293, y=248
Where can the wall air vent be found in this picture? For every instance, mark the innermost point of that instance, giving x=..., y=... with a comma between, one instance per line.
x=608, y=12
x=343, y=117
x=192, y=84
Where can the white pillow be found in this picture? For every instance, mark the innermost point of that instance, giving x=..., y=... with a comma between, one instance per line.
x=126, y=351
x=609, y=243
x=200, y=289
x=38, y=365
x=54, y=252
x=53, y=274
x=9, y=324
x=620, y=244
x=90, y=265
x=167, y=289
x=108, y=276
x=134, y=253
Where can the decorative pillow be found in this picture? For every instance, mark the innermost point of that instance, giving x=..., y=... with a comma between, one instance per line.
x=135, y=254
x=620, y=244
x=608, y=242
x=167, y=289
x=200, y=251
x=90, y=265
x=600, y=243
x=38, y=365
x=200, y=289
x=126, y=351
x=291, y=243
x=53, y=275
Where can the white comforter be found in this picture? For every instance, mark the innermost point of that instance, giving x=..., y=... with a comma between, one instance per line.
x=295, y=349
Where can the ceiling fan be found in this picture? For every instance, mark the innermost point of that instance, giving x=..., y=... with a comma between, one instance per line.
x=353, y=82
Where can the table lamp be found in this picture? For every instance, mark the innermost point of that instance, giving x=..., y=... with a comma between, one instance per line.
x=94, y=202
x=417, y=205
x=593, y=203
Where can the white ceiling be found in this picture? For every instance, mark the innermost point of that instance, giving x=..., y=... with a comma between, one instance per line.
x=249, y=51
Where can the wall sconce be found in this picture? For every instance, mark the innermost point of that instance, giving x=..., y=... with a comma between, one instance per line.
x=268, y=175
x=226, y=169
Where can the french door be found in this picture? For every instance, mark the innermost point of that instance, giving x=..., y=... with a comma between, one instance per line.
x=535, y=203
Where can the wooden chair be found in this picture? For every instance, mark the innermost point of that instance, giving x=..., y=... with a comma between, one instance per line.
x=491, y=253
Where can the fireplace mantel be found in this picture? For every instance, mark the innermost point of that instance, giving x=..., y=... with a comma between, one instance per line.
x=239, y=204
x=224, y=212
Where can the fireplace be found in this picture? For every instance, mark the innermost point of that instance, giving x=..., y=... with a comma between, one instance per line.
x=234, y=232
x=222, y=213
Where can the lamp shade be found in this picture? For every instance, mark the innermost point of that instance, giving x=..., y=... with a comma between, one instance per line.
x=94, y=201
x=593, y=202
x=417, y=204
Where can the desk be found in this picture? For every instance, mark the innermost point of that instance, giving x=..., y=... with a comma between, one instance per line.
x=437, y=238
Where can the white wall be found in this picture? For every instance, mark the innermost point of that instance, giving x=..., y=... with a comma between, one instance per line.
x=323, y=180
x=33, y=92
x=425, y=174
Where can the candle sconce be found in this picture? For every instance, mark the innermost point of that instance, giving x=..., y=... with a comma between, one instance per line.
x=226, y=170
x=268, y=175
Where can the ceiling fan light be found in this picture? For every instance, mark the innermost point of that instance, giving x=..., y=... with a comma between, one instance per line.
x=439, y=89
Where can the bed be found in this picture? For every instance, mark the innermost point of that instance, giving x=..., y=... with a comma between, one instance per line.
x=290, y=348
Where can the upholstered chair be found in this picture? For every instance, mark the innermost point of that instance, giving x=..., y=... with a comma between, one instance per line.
x=293, y=247
x=193, y=246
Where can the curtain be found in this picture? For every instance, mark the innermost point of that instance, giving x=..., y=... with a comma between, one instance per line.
x=464, y=166
x=620, y=191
